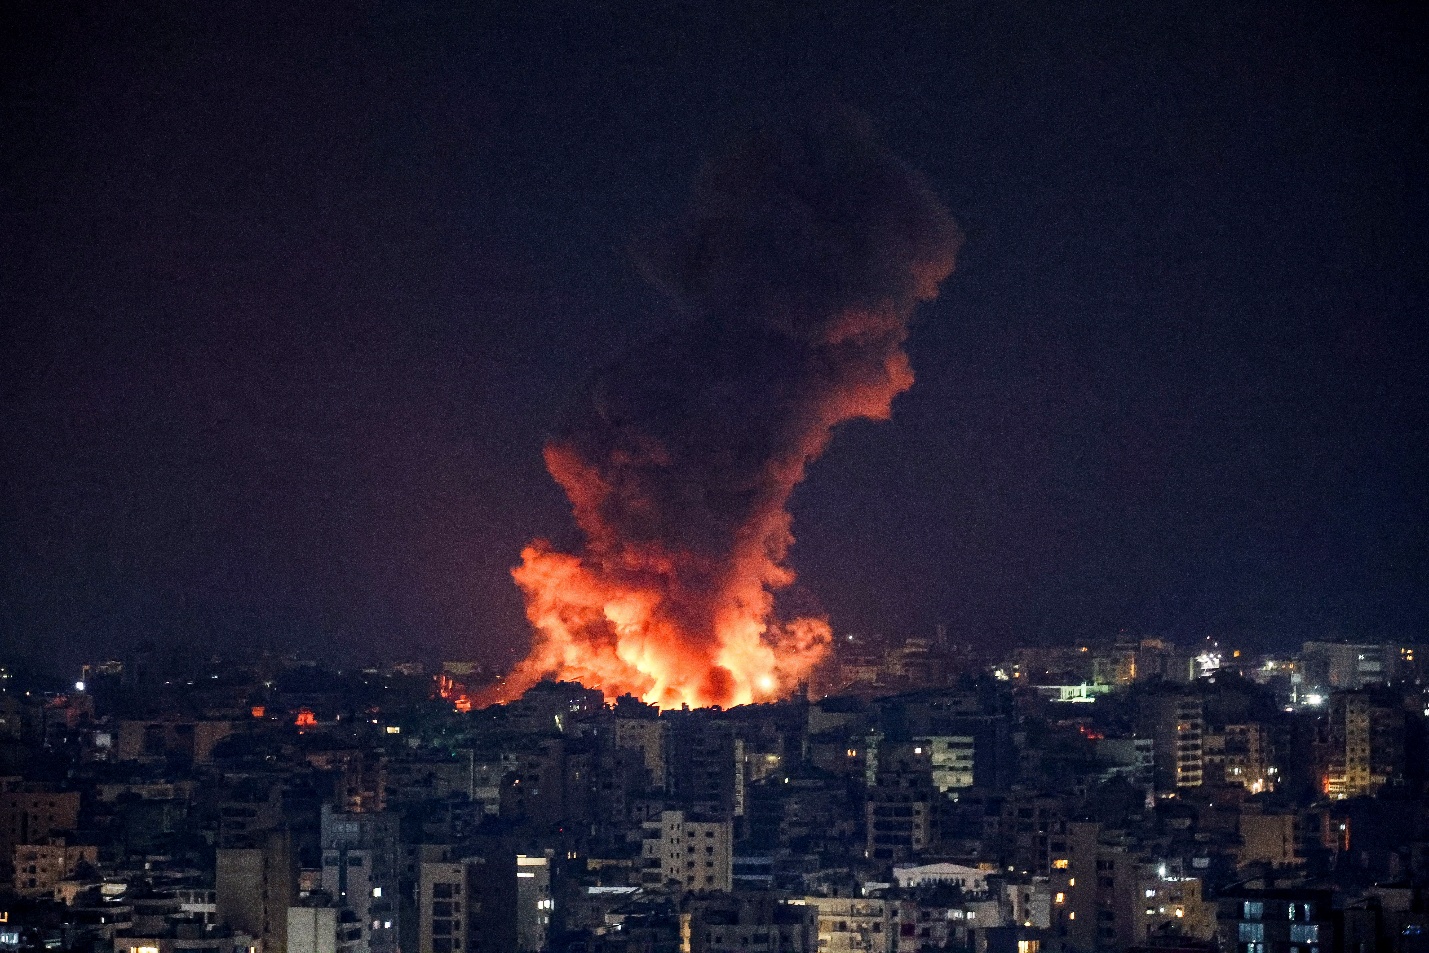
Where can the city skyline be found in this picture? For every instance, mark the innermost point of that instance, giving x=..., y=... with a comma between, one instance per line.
x=296, y=300
x=714, y=477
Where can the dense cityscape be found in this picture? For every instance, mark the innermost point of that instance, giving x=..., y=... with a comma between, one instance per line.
x=920, y=796
x=714, y=477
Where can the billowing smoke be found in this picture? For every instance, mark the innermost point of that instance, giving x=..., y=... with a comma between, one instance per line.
x=797, y=269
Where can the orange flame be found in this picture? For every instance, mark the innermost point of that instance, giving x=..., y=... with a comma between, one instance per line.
x=618, y=618
x=800, y=266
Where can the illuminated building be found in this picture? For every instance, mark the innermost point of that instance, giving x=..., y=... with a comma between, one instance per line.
x=448, y=904
x=1248, y=758
x=970, y=879
x=180, y=941
x=1174, y=721
x=533, y=902
x=1278, y=921
x=1363, y=746
x=1171, y=905
x=1114, y=667
x=1108, y=896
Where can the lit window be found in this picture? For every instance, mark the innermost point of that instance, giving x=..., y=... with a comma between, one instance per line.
x=1061, y=863
x=376, y=891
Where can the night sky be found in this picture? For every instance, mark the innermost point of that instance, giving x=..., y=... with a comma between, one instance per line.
x=292, y=296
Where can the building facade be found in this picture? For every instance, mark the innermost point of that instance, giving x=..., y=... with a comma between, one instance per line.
x=695, y=853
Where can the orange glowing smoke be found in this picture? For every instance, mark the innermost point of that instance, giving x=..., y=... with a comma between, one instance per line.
x=799, y=267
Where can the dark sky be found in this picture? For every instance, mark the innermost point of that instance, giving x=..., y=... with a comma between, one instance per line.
x=292, y=296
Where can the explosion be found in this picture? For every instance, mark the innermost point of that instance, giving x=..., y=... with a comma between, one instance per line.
x=796, y=270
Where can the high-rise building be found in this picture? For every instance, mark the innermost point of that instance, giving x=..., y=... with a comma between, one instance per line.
x=694, y=852
x=1094, y=892
x=1108, y=896
x=1170, y=904
x=707, y=776
x=254, y=887
x=360, y=870
x=1159, y=660
x=1174, y=721
x=534, y=785
x=638, y=727
x=901, y=802
x=1032, y=832
x=1266, y=838
x=1115, y=666
x=1249, y=757
x=1363, y=746
x=533, y=902
x=450, y=903
x=484, y=905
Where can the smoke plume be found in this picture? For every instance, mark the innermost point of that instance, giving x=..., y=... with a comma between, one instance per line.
x=796, y=269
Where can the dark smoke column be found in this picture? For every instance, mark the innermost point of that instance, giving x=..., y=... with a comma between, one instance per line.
x=798, y=266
